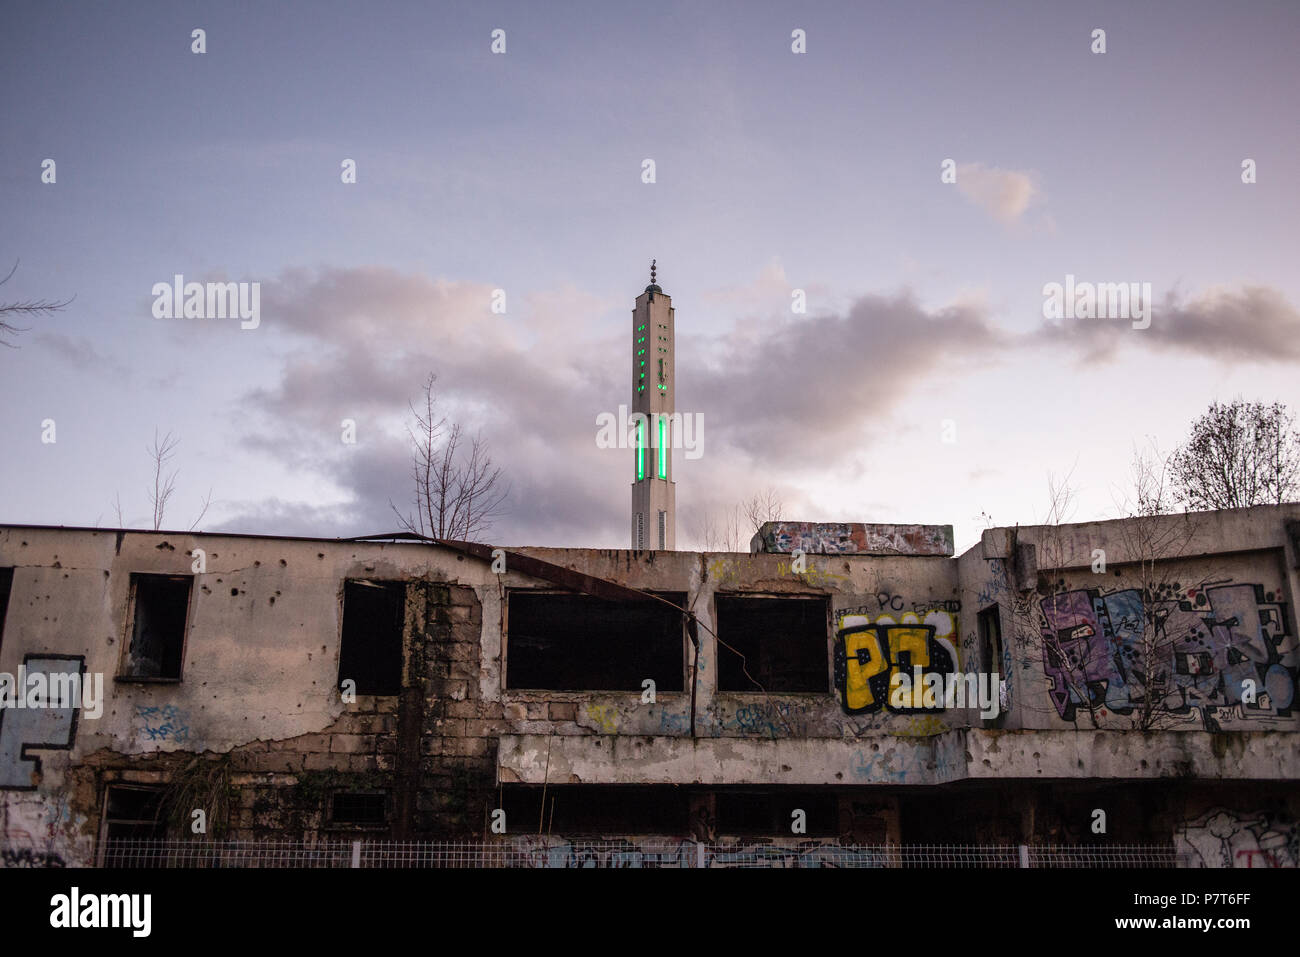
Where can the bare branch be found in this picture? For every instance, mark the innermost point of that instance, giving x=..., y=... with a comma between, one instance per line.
x=458, y=491
x=30, y=307
x=161, y=453
x=207, y=500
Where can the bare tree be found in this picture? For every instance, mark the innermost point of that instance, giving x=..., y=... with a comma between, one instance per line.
x=732, y=529
x=1239, y=454
x=1034, y=597
x=30, y=307
x=458, y=491
x=721, y=532
x=763, y=507
x=161, y=452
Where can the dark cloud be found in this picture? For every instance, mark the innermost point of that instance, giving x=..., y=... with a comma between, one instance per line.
x=805, y=387
x=1252, y=324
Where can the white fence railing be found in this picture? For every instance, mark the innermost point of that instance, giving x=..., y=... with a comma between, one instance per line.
x=635, y=853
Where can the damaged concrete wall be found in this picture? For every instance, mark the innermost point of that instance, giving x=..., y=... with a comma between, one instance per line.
x=1171, y=623
x=256, y=732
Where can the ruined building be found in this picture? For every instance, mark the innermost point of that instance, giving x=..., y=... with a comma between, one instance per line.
x=316, y=690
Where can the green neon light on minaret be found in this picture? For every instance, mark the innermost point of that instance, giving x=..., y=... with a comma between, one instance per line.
x=663, y=449
x=640, y=451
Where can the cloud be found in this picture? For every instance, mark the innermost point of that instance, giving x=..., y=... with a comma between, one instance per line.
x=361, y=342
x=1253, y=324
x=80, y=353
x=1004, y=194
x=780, y=391
x=805, y=387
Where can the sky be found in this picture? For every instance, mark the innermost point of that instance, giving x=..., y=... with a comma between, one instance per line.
x=926, y=381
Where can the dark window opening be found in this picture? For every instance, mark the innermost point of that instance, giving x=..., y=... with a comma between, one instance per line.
x=6, y=586
x=374, y=614
x=783, y=640
x=967, y=816
x=597, y=810
x=361, y=810
x=563, y=642
x=161, y=606
x=990, y=632
x=133, y=815
x=771, y=813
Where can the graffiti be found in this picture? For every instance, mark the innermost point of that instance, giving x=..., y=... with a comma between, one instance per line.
x=164, y=722
x=856, y=538
x=876, y=766
x=550, y=853
x=812, y=575
x=807, y=854
x=1223, y=838
x=723, y=571
x=770, y=719
x=952, y=605
x=659, y=853
x=993, y=590
x=925, y=726
x=18, y=849
x=26, y=729
x=869, y=654
x=671, y=723
x=1209, y=647
x=605, y=717
x=26, y=857
x=886, y=602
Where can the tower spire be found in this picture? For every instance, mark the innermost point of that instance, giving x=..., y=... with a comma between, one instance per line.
x=653, y=493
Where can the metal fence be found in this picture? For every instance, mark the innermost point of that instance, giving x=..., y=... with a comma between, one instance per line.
x=638, y=853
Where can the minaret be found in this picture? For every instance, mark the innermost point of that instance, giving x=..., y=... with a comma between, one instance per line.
x=654, y=497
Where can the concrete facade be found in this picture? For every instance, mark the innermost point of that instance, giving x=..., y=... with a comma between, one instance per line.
x=1186, y=735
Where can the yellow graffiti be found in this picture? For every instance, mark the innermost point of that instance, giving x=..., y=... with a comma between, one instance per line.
x=721, y=570
x=603, y=716
x=857, y=685
x=915, y=641
x=813, y=576
x=943, y=622
x=926, y=726
x=865, y=656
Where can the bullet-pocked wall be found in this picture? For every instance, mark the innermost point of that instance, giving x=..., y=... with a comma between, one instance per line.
x=309, y=689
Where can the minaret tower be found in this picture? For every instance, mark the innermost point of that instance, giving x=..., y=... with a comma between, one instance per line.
x=654, y=497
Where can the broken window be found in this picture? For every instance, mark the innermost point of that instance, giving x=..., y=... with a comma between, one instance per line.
x=772, y=813
x=567, y=642
x=368, y=809
x=160, y=607
x=784, y=642
x=6, y=586
x=374, y=614
x=132, y=817
x=990, y=632
x=989, y=625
